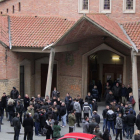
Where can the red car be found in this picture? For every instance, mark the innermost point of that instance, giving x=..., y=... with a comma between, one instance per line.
x=79, y=136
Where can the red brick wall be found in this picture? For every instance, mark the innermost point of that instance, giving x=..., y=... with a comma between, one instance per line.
x=67, y=9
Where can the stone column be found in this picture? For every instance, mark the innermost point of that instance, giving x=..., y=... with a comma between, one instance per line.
x=50, y=72
x=135, y=81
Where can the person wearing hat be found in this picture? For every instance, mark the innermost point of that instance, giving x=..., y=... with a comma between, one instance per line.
x=71, y=120
x=14, y=93
x=119, y=126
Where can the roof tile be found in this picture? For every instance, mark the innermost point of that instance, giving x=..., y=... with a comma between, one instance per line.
x=29, y=31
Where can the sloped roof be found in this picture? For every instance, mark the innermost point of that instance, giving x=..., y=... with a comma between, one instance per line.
x=133, y=30
x=30, y=31
x=109, y=25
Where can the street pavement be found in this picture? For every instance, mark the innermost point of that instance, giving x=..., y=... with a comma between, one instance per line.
x=7, y=132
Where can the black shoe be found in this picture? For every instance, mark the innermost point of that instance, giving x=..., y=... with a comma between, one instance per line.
x=78, y=126
x=2, y=123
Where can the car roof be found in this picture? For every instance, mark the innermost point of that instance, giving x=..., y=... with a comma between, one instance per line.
x=81, y=135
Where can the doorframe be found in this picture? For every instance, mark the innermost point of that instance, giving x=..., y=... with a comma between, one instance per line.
x=38, y=62
x=85, y=65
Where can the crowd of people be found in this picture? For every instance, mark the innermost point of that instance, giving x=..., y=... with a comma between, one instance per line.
x=44, y=115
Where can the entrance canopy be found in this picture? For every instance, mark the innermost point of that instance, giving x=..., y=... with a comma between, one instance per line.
x=97, y=25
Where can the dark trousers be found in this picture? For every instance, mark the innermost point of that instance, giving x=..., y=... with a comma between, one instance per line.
x=16, y=136
x=37, y=124
x=119, y=131
x=78, y=118
x=130, y=131
x=21, y=117
x=70, y=129
x=29, y=134
x=86, y=114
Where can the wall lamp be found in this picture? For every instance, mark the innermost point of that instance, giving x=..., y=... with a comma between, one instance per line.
x=115, y=58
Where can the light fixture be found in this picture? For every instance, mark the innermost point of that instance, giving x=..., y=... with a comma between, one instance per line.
x=115, y=58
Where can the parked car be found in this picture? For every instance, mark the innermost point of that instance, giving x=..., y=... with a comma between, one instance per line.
x=79, y=136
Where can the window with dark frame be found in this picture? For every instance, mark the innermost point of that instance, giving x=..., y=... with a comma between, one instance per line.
x=106, y=4
x=85, y=5
x=13, y=9
x=19, y=6
x=129, y=4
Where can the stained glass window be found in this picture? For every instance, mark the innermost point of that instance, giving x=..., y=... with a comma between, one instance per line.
x=129, y=4
x=107, y=4
x=85, y=5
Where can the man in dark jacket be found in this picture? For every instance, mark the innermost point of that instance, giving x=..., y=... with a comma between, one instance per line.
x=129, y=90
x=89, y=98
x=138, y=122
x=14, y=93
x=63, y=114
x=131, y=120
x=109, y=98
x=104, y=117
x=96, y=116
x=124, y=119
x=116, y=91
x=26, y=102
x=37, y=122
x=92, y=125
x=28, y=127
x=124, y=93
x=110, y=116
x=17, y=126
x=4, y=104
x=19, y=109
x=55, y=93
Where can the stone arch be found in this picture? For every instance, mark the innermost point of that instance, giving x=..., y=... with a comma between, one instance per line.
x=85, y=65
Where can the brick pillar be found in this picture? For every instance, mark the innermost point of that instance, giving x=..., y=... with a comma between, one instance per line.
x=50, y=72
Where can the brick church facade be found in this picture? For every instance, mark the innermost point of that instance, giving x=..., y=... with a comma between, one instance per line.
x=72, y=37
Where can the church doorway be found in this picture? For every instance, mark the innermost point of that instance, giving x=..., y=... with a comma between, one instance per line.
x=104, y=66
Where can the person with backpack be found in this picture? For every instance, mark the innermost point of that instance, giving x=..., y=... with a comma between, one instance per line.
x=119, y=126
x=86, y=109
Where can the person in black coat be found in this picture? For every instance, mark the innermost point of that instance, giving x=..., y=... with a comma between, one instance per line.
x=106, y=135
x=26, y=102
x=28, y=127
x=11, y=110
x=109, y=98
x=48, y=126
x=14, y=93
x=19, y=109
x=88, y=99
x=4, y=103
x=17, y=126
x=96, y=116
x=42, y=118
x=92, y=125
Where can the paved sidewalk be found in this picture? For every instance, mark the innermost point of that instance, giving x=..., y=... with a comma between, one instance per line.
x=6, y=129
